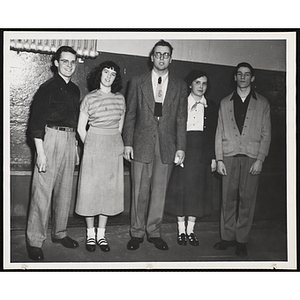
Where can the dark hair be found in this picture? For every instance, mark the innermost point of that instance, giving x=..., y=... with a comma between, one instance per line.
x=63, y=49
x=164, y=44
x=246, y=65
x=94, y=77
x=57, y=56
x=193, y=75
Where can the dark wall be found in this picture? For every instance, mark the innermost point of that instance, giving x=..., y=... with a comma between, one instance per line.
x=270, y=84
x=29, y=70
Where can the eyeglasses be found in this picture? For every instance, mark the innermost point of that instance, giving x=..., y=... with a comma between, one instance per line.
x=66, y=62
x=159, y=55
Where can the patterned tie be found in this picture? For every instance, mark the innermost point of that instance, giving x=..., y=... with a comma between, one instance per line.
x=158, y=99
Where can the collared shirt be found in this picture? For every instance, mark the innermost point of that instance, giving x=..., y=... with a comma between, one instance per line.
x=195, y=120
x=56, y=103
x=240, y=108
x=165, y=80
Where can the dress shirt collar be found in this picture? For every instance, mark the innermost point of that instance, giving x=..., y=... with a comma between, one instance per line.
x=236, y=96
x=155, y=77
x=192, y=101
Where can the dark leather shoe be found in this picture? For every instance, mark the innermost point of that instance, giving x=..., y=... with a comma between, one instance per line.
x=181, y=239
x=66, y=242
x=134, y=243
x=223, y=245
x=103, y=244
x=35, y=253
x=90, y=245
x=241, y=249
x=193, y=239
x=159, y=243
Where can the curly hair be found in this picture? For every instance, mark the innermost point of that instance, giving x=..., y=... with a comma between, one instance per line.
x=94, y=77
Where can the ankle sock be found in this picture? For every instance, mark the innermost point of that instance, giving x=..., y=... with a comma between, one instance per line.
x=181, y=227
x=90, y=232
x=100, y=233
x=190, y=227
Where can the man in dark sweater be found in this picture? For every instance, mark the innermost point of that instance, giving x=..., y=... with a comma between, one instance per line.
x=53, y=123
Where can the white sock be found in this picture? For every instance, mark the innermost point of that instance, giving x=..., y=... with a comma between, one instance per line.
x=100, y=233
x=90, y=232
x=181, y=227
x=190, y=227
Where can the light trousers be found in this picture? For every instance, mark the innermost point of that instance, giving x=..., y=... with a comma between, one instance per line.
x=149, y=186
x=239, y=192
x=55, y=184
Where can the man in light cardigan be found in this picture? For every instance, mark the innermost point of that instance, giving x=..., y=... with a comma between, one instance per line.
x=242, y=143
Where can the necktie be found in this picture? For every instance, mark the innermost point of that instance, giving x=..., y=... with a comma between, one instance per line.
x=158, y=99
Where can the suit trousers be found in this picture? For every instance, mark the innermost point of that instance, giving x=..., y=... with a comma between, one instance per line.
x=149, y=186
x=56, y=183
x=239, y=192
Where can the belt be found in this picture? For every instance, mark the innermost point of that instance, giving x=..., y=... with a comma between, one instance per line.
x=61, y=128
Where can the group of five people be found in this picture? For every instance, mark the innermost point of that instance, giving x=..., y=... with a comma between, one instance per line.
x=173, y=137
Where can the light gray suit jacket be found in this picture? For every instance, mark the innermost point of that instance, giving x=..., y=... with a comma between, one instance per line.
x=141, y=126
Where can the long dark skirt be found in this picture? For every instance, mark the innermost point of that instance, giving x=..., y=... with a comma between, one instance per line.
x=190, y=188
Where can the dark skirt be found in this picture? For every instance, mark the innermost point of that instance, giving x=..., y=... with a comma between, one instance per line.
x=190, y=188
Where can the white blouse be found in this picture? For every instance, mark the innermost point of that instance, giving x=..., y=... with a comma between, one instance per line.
x=195, y=120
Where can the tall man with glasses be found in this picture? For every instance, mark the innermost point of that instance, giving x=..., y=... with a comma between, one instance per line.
x=53, y=124
x=154, y=137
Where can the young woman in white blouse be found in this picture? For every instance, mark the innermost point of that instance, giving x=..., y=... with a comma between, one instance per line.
x=190, y=190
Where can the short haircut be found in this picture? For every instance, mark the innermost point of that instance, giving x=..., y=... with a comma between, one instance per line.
x=62, y=49
x=162, y=43
x=246, y=65
x=193, y=75
x=94, y=78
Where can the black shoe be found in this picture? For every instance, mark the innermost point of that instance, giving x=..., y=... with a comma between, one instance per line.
x=90, y=245
x=241, y=249
x=103, y=244
x=66, y=242
x=134, y=243
x=159, y=243
x=223, y=245
x=181, y=239
x=193, y=239
x=35, y=253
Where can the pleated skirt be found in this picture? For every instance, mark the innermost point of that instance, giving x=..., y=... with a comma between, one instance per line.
x=101, y=176
x=190, y=190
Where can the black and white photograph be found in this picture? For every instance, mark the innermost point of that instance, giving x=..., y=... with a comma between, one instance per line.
x=149, y=150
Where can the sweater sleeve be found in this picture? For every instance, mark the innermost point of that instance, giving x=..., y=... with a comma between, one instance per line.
x=218, y=137
x=265, y=140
